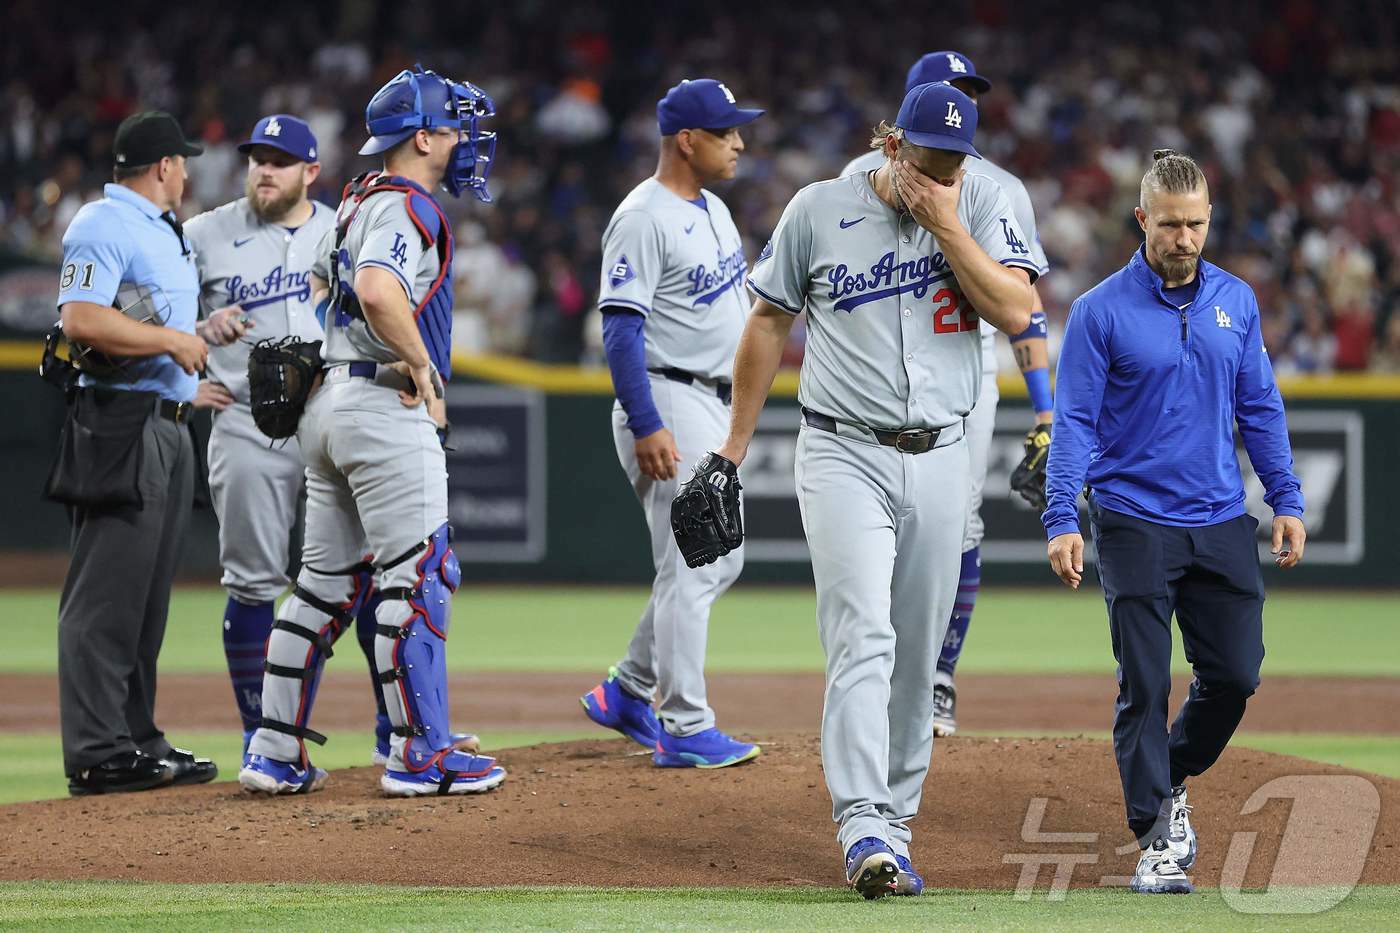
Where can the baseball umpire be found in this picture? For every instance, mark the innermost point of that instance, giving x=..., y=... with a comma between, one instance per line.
x=1031, y=356
x=128, y=300
x=888, y=267
x=673, y=308
x=1161, y=362
x=376, y=471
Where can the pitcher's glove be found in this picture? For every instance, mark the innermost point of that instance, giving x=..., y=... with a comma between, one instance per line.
x=1028, y=478
x=705, y=515
x=280, y=376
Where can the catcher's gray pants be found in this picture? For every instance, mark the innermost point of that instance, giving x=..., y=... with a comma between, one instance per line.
x=376, y=483
x=111, y=616
x=255, y=485
x=884, y=529
x=667, y=652
x=981, y=424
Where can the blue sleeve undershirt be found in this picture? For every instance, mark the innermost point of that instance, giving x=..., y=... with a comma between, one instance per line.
x=625, y=348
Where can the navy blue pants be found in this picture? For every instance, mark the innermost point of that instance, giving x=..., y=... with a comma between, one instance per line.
x=1209, y=576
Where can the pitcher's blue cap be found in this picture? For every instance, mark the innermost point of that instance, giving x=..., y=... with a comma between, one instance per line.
x=286, y=132
x=701, y=104
x=945, y=66
x=939, y=116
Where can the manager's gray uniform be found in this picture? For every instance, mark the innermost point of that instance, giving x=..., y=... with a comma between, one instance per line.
x=682, y=266
x=266, y=269
x=982, y=421
x=892, y=344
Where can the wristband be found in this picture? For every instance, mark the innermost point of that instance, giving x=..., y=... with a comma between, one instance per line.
x=1038, y=385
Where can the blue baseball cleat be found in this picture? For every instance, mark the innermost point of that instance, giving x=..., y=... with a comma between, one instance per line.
x=612, y=707
x=871, y=868
x=707, y=749
x=462, y=741
x=471, y=774
x=908, y=883
x=263, y=775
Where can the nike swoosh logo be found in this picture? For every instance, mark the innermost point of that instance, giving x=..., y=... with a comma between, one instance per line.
x=850, y=223
x=242, y=242
x=690, y=228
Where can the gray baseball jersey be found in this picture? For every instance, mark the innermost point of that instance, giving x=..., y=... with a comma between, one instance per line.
x=1020, y=206
x=892, y=342
x=263, y=267
x=381, y=235
x=682, y=266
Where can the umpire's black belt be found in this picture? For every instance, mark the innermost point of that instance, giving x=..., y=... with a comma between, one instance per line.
x=908, y=441
x=171, y=410
x=723, y=390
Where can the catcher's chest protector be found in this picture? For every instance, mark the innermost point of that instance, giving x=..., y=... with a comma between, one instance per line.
x=433, y=311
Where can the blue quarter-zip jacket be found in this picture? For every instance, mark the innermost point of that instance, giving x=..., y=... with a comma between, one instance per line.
x=1147, y=398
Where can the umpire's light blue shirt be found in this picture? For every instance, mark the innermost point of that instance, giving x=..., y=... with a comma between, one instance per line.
x=122, y=240
x=1147, y=397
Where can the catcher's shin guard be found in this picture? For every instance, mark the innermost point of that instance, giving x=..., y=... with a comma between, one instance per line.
x=306, y=628
x=411, y=653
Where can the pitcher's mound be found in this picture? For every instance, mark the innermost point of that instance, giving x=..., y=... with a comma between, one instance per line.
x=598, y=813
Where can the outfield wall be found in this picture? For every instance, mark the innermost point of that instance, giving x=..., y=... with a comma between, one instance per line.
x=537, y=493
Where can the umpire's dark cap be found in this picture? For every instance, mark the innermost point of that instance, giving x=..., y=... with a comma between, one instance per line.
x=150, y=136
x=702, y=104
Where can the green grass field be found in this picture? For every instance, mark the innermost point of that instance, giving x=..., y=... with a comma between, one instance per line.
x=768, y=629
x=127, y=906
x=753, y=629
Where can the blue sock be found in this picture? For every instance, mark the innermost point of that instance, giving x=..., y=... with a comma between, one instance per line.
x=246, y=627
x=969, y=579
x=364, y=634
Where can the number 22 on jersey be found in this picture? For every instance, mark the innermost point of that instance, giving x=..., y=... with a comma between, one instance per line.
x=947, y=318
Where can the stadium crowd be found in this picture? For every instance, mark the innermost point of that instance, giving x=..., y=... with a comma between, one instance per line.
x=1292, y=108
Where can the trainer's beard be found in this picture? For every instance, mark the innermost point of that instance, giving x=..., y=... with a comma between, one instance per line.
x=277, y=208
x=1179, y=270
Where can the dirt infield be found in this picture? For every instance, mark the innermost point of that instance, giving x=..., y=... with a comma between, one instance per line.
x=598, y=813
x=761, y=703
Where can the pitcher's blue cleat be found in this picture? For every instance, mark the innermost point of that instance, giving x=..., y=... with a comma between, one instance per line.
x=612, y=707
x=871, y=868
x=708, y=749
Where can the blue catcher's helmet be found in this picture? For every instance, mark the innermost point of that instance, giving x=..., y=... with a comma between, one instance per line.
x=424, y=100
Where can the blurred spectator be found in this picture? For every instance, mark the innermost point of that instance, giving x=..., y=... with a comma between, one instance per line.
x=1294, y=115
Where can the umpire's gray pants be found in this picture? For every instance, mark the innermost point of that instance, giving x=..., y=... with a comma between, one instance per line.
x=884, y=530
x=111, y=617
x=667, y=651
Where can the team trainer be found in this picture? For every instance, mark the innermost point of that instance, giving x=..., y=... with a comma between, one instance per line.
x=1160, y=362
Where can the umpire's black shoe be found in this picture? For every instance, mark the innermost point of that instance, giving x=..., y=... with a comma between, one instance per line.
x=189, y=769
x=119, y=774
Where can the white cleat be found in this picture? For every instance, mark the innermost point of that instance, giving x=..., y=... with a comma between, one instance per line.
x=1158, y=873
x=1181, y=838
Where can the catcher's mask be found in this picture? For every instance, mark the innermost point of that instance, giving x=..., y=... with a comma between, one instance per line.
x=416, y=100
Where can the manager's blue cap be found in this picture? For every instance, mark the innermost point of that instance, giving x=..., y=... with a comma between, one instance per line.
x=704, y=104
x=939, y=116
x=945, y=66
x=286, y=132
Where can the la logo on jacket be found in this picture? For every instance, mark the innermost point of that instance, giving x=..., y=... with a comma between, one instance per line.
x=1221, y=318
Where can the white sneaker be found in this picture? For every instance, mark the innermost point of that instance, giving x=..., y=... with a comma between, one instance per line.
x=1181, y=838
x=1158, y=873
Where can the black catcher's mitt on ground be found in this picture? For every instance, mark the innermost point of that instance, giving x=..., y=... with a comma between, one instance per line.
x=1028, y=478
x=705, y=515
x=280, y=375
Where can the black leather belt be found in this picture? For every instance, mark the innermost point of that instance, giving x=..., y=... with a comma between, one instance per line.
x=724, y=391
x=171, y=410
x=909, y=441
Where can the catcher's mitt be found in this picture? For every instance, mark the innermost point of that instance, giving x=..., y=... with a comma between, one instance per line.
x=1028, y=478
x=280, y=375
x=705, y=515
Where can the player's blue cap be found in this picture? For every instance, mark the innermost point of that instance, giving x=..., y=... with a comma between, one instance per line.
x=945, y=66
x=286, y=132
x=703, y=104
x=939, y=116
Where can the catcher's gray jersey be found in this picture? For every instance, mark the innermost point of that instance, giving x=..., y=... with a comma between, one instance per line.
x=263, y=267
x=892, y=342
x=383, y=235
x=682, y=266
x=1020, y=206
